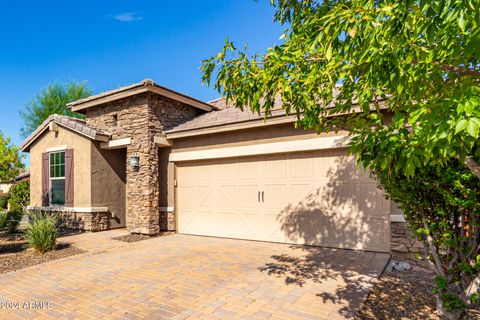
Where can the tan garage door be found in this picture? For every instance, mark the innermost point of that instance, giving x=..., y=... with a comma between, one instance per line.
x=315, y=198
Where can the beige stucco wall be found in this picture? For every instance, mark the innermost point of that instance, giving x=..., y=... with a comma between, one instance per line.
x=108, y=182
x=267, y=134
x=82, y=164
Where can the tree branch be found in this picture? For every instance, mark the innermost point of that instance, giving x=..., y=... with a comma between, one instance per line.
x=460, y=70
x=434, y=253
x=473, y=166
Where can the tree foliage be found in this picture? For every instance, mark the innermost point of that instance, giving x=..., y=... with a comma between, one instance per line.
x=52, y=99
x=443, y=210
x=10, y=160
x=19, y=196
x=418, y=59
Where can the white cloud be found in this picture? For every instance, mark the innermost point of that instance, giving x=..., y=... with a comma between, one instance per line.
x=128, y=17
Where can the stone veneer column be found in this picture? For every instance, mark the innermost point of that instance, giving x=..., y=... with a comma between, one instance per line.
x=140, y=118
x=142, y=182
x=142, y=189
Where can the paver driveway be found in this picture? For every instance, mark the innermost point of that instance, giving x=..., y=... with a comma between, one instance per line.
x=180, y=276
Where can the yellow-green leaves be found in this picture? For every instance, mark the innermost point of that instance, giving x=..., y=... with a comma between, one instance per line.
x=328, y=51
x=473, y=127
x=462, y=22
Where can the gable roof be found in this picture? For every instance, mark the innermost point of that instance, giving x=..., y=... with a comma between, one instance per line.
x=146, y=85
x=77, y=125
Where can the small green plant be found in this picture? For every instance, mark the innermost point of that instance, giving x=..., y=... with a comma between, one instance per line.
x=13, y=218
x=3, y=220
x=42, y=232
x=19, y=195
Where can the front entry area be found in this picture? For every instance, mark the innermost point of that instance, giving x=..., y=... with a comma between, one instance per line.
x=315, y=198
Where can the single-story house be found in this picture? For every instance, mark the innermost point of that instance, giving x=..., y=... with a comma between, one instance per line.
x=150, y=159
x=5, y=186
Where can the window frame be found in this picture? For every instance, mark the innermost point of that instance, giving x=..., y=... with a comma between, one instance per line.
x=50, y=178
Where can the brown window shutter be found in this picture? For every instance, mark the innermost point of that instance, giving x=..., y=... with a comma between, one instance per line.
x=45, y=179
x=69, y=178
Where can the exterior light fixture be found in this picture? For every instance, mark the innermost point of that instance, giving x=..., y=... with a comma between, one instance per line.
x=134, y=162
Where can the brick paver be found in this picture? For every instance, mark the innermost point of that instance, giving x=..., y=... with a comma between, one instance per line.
x=189, y=277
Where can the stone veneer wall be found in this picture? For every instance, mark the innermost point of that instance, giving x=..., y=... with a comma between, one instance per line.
x=88, y=221
x=95, y=221
x=167, y=221
x=402, y=239
x=141, y=118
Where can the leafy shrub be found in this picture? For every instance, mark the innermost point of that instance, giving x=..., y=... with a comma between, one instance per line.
x=13, y=218
x=3, y=220
x=443, y=210
x=42, y=232
x=19, y=195
x=4, y=197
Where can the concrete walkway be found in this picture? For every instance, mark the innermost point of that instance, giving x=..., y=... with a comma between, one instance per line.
x=189, y=277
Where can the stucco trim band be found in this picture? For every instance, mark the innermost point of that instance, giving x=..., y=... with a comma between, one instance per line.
x=116, y=144
x=69, y=209
x=264, y=148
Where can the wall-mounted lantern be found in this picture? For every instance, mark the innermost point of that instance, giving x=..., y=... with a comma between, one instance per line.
x=134, y=162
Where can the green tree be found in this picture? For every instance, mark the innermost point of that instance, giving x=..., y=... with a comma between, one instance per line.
x=52, y=99
x=337, y=57
x=340, y=63
x=10, y=160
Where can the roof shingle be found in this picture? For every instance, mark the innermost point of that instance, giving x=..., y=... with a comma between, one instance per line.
x=223, y=115
x=75, y=124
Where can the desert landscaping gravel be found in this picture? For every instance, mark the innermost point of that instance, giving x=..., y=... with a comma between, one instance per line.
x=405, y=295
x=15, y=253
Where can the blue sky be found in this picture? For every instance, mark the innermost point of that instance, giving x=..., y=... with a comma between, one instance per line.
x=111, y=43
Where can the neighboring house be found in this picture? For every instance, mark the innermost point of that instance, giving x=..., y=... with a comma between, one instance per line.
x=22, y=177
x=152, y=159
x=5, y=187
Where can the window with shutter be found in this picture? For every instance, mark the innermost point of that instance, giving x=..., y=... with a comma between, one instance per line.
x=57, y=178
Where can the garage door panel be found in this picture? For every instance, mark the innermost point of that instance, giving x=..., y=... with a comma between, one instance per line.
x=340, y=232
x=298, y=192
x=185, y=219
x=248, y=169
x=372, y=233
x=189, y=195
x=371, y=199
x=186, y=173
x=273, y=196
x=248, y=196
x=314, y=198
x=275, y=166
x=301, y=165
x=198, y=222
x=227, y=171
x=227, y=196
x=339, y=199
x=301, y=226
x=204, y=197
